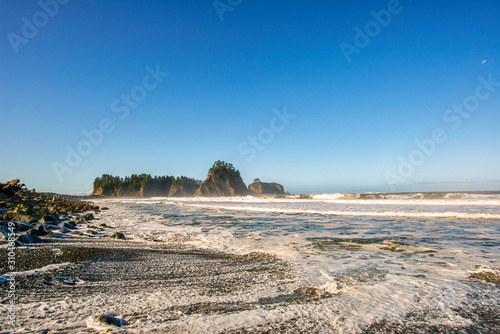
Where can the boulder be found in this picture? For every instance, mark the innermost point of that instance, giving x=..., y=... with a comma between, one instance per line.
x=64, y=280
x=105, y=322
x=265, y=188
x=24, y=218
x=29, y=239
x=67, y=225
x=118, y=235
x=51, y=227
x=88, y=216
x=47, y=219
x=23, y=227
x=64, y=230
x=90, y=232
x=19, y=227
x=223, y=183
x=39, y=230
x=4, y=233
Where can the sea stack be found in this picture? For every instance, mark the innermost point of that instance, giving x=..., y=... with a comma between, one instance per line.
x=223, y=180
x=266, y=188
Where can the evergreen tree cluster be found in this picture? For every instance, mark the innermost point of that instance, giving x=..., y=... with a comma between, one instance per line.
x=131, y=185
x=220, y=166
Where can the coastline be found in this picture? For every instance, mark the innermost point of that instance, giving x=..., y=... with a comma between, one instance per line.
x=89, y=284
x=121, y=270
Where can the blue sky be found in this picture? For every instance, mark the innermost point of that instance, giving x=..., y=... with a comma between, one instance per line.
x=354, y=123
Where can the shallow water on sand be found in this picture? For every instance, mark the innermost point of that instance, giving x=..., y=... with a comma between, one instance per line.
x=391, y=260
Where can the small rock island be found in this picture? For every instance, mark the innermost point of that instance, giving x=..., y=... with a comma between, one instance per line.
x=265, y=188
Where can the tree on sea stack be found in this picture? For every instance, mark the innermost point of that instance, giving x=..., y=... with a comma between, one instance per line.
x=221, y=166
x=223, y=180
x=256, y=181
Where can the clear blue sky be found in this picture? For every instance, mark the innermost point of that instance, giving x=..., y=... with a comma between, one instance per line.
x=353, y=120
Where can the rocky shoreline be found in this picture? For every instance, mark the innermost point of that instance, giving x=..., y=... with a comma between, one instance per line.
x=31, y=217
x=77, y=275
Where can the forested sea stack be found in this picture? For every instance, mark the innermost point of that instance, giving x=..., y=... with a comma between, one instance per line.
x=223, y=180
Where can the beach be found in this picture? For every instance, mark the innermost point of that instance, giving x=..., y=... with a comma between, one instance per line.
x=268, y=265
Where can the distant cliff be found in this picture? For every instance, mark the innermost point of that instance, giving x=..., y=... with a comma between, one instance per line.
x=265, y=188
x=223, y=180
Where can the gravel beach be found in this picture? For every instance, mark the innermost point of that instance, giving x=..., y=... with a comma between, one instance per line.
x=63, y=283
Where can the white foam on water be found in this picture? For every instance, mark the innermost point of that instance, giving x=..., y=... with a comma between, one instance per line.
x=379, y=259
x=445, y=214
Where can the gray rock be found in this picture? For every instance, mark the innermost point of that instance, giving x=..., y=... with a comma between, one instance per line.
x=28, y=239
x=88, y=216
x=23, y=227
x=39, y=230
x=25, y=218
x=105, y=322
x=64, y=280
x=91, y=232
x=47, y=219
x=4, y=233
x=67, y=225
x=51, y=227
x=64, y=230
x=118, y=235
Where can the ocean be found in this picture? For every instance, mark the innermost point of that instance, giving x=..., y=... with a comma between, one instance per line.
x=365, y=262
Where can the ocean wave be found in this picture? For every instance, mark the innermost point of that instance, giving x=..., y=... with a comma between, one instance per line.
x=408, y=196
x=447, y=214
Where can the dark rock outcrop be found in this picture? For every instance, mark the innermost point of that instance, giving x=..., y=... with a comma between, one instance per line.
x=265, y=188
x=223, y=183
x=35, y=214
x=183, y=190
x=152, y=189
x=11, y=187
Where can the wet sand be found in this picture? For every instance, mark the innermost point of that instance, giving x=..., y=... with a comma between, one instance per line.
x=169, y=291
x=135, y=281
